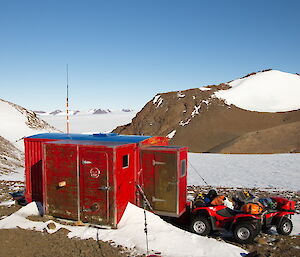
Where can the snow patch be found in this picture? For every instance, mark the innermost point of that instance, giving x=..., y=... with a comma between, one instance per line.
x=270, y=91
x=7, y=203
x=205, y=88
x=296, y=224
x=196, y=110
x=180, y=95
x=159, y=102
x=172, y=134
x=17, y=174
x=182, y=123
x=246, y=170
x=155, y=99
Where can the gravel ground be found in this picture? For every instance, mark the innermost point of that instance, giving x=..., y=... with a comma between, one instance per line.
x=25, y=243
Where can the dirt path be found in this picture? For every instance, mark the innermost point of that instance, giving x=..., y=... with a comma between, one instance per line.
x=25, y=243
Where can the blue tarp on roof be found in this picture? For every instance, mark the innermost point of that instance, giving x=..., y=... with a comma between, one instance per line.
x=110, y=137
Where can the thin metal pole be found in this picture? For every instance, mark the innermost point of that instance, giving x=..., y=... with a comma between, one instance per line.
x=145, y=229
x=67, y=102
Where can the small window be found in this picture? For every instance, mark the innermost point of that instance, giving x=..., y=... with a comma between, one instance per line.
x=183, y=168
x=125, y=161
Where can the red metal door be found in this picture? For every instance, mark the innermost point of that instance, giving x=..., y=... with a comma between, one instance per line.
x=161, y=180
x=165, y=185
x=60, y=177
x=94, y=187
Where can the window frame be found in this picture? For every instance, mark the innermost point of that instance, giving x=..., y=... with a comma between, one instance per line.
x=125, y=161
x=183, y=166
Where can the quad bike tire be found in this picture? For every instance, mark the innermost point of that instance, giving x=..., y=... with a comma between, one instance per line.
x=257, y=228
x=284, y=227
x=201, y=225
x=244, y=232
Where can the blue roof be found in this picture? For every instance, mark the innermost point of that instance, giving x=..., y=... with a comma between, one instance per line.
x=108, y=144
x=110, y=137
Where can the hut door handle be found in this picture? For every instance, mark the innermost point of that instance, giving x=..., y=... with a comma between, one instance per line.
x=157, y=199
x=157, y=163
x=86, y=162
x=104, y=188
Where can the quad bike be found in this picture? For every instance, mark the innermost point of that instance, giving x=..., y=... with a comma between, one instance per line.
x=245, y=226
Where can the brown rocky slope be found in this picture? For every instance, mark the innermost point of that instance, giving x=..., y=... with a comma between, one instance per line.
x=11, y=158
x=205, y=123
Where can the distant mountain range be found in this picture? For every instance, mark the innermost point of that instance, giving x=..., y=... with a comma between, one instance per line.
x=258, y=113
x=77, y=112
x=18, y=122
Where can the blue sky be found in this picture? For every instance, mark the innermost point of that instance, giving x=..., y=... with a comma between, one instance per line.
x=121, y=53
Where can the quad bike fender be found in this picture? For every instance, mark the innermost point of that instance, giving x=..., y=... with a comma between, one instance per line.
x=207, y=212
x=279, y=216
x=245, y=216
x=254, y=219
x=284, y=213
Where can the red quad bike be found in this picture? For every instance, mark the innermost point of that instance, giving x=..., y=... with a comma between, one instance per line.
x=245, y=226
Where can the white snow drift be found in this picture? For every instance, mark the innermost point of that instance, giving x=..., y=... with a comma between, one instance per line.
x=13, y=125
x=163, y=237
x=269, y=91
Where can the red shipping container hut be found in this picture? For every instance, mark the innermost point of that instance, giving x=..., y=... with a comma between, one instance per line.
x=91, y=178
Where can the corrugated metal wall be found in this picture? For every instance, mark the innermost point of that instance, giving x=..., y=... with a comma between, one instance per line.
x=33, y=169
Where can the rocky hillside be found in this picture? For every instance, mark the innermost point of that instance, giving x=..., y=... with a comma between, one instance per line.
x=206, y=122
x=32, y=121
x=17, y=123
x=11, y=158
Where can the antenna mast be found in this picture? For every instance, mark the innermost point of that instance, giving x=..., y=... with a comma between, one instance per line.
x=67, y=102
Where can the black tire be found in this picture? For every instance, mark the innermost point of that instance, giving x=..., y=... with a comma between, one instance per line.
x=201, y=225
x=244, y=232
x=265, y=229
x=285, y=226
x=257, y=228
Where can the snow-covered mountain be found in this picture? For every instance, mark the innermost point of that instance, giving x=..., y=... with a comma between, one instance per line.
x=269, y=91
x=77, y=112
x=232, y=117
